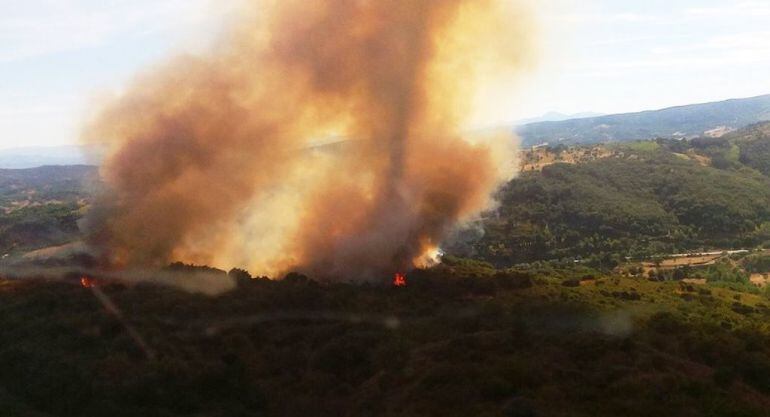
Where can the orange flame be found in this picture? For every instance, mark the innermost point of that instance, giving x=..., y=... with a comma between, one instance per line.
x=399, y=280
x=87, y=282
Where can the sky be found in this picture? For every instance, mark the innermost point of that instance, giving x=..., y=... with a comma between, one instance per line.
x=608, y=56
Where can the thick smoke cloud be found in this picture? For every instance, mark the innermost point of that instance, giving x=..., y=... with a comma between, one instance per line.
x=321, y=136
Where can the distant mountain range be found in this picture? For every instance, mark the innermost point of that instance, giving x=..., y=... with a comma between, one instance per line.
x=31, y=157
x=557, y=117
x=709, y=119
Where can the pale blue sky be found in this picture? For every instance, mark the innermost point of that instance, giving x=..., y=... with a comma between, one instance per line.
x=625, y=55
x=597, y=55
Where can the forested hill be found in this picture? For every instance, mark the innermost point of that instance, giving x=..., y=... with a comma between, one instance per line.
x=676, y=122
x=40, y=207
x=637, y=199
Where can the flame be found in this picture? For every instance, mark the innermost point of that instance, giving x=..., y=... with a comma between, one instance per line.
x=87, y=282
x=399, y=280
x=429, y=258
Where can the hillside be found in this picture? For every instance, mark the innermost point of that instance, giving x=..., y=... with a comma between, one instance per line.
x=40, y=207
x=676, y=122
x=754, y=146
x=636, y=199
x=460, y=340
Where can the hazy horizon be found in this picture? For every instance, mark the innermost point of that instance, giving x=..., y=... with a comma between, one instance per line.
x=519, y=122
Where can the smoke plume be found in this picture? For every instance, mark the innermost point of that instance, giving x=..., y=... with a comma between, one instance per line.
x=321, y=136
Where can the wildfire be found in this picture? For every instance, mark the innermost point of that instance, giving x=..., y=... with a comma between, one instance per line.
x=431, y=257
x=399, y=280
x=392, y=88
x=87, y=282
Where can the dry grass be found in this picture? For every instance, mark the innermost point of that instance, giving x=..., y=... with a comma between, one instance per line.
x=760, y=280
x=673, y=263
x=538, y=158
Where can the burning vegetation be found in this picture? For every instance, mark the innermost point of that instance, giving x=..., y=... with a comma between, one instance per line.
x=399, y=280
x=87, y=282
x=218, y=159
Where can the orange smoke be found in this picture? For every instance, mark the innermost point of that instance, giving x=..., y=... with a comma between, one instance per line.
x=322, y=136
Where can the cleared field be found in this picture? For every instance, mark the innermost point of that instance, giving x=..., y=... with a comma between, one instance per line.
x=673, y=263
x=536, y=159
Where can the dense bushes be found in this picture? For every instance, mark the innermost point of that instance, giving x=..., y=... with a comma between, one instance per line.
x=513, y=341
x=757, y=263
x=631, y=205
x=40, y=207
x=38, y=226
